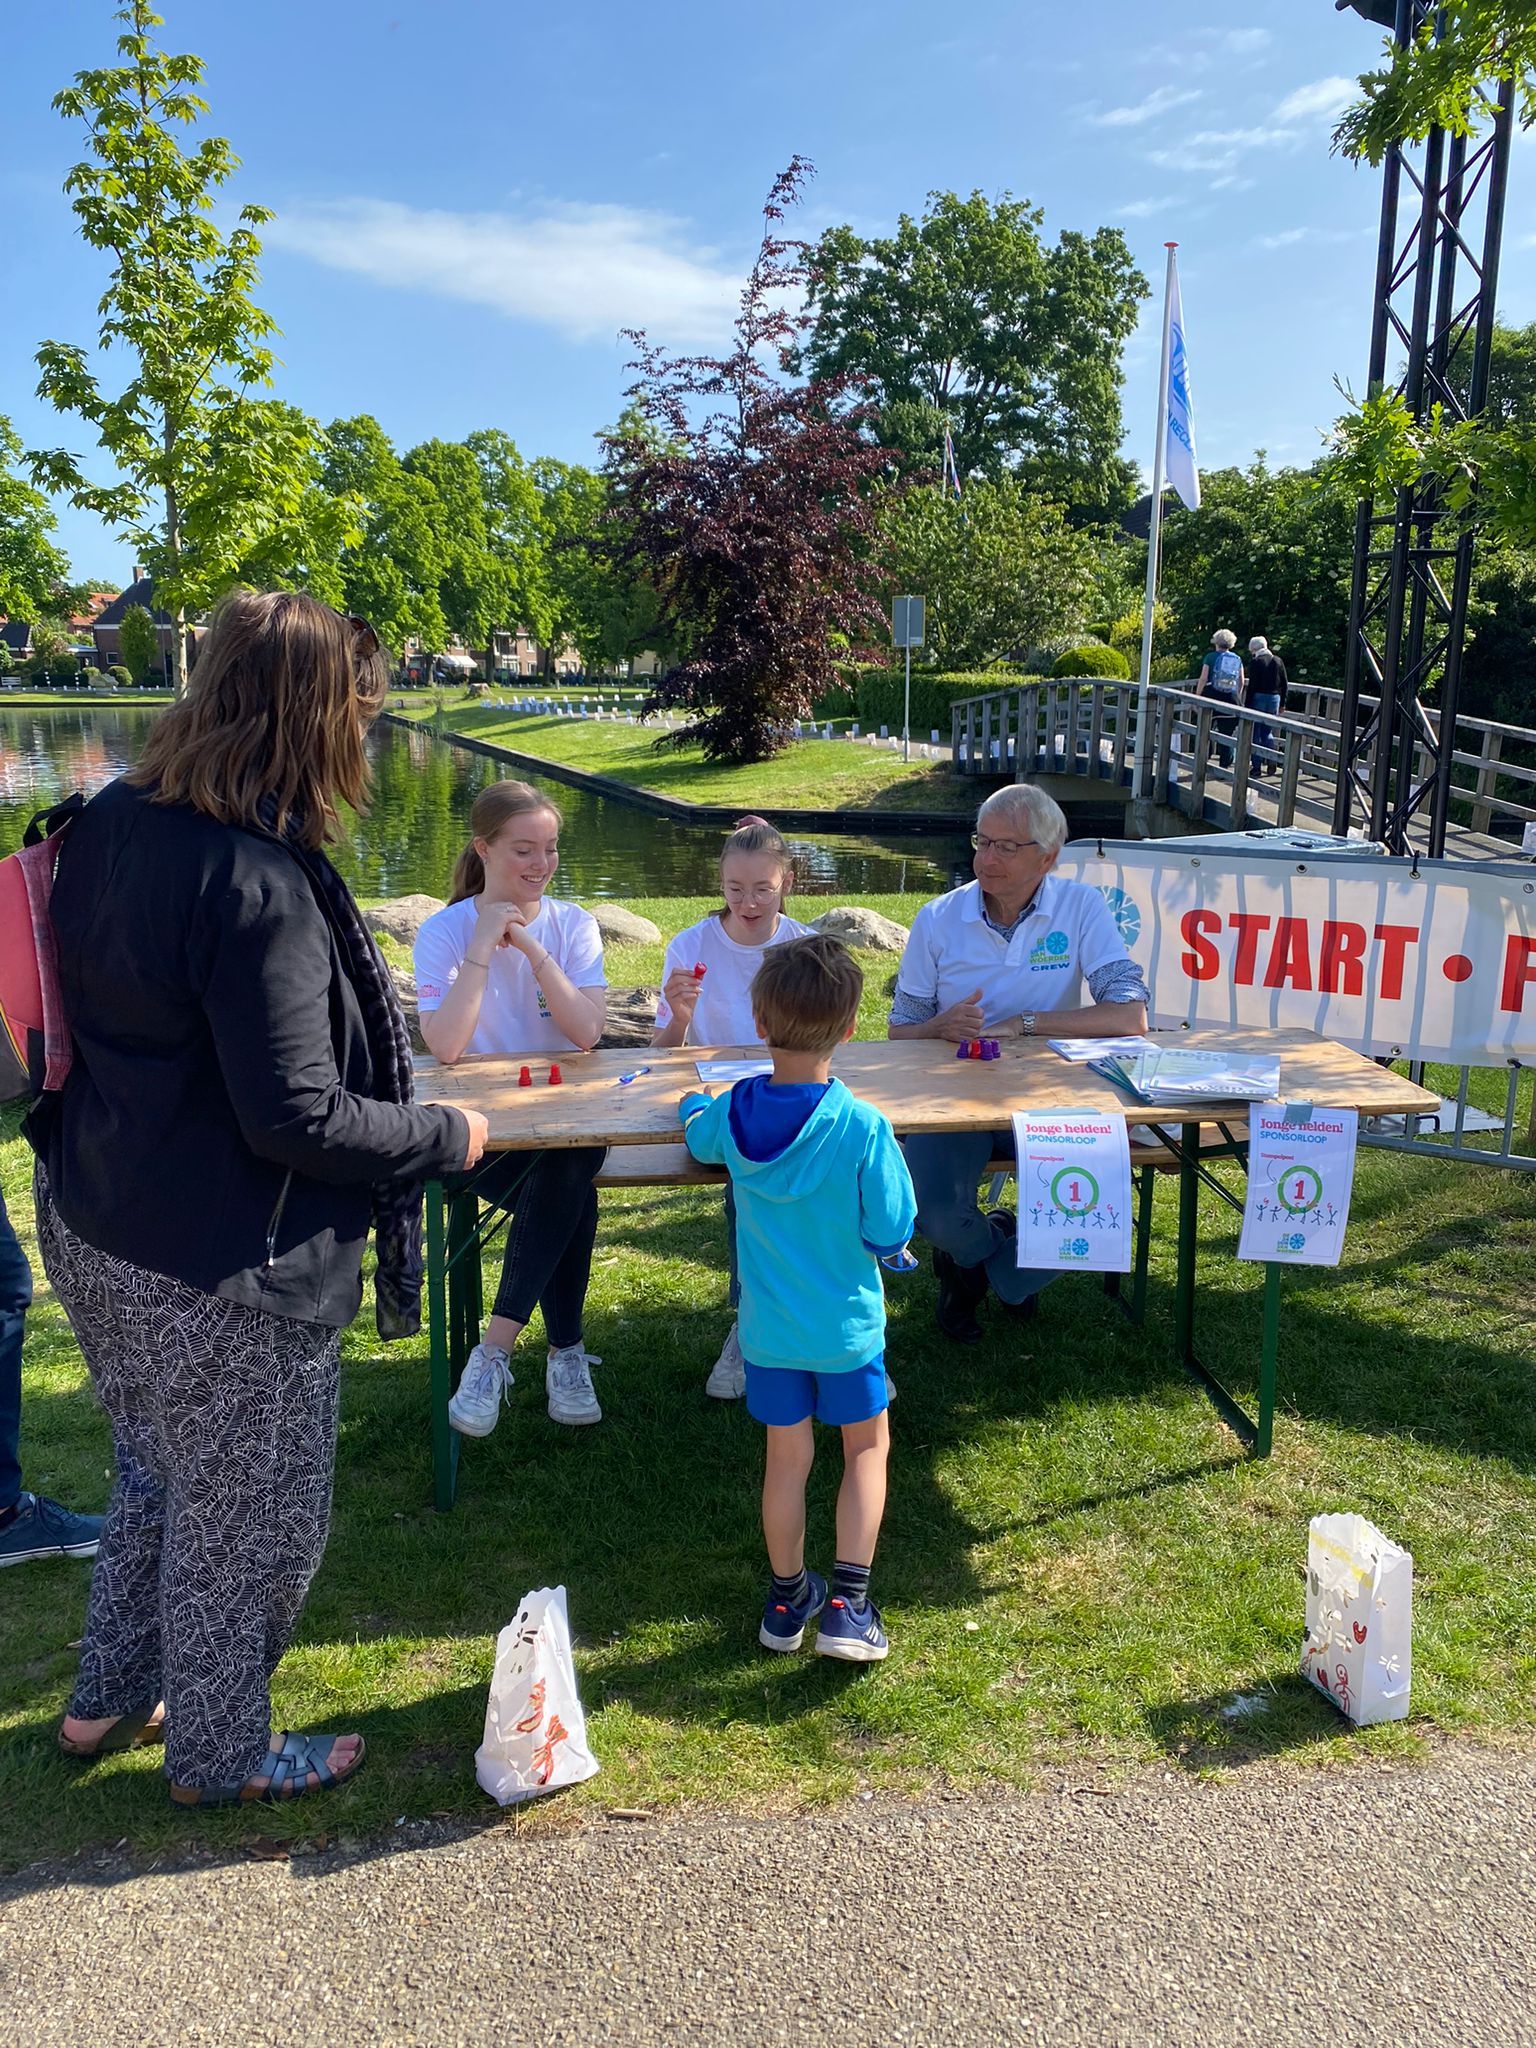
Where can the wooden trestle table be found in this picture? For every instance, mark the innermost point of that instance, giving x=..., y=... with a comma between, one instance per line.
x=921, y=1086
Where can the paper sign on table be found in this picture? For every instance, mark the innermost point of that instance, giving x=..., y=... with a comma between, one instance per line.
x=1301, y=1171
x=1080, y=1050
x=1074, y=1181
x=732, y=1070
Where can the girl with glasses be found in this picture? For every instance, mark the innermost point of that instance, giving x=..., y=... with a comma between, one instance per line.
x=714, y=1006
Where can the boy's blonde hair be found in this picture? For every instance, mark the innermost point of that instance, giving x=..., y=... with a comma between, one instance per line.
x=806, y=994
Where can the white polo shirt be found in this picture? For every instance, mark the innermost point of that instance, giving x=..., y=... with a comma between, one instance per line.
x=1066, y=935
x=514, y=1017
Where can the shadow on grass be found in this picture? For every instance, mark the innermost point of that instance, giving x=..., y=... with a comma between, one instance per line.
x=1284, y=1717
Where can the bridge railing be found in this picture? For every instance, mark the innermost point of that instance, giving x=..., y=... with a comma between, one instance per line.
x=1047, y=727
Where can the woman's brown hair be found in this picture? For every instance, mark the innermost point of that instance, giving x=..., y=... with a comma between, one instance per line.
x=756, y=835
x=271, y=728
x=496, y=805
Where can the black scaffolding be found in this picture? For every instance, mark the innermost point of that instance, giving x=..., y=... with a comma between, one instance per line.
x=1437, y=266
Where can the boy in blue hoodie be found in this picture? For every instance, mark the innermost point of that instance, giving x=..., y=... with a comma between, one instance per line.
x=822, y=1193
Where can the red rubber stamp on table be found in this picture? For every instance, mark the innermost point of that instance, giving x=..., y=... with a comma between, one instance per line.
x=524, y=1078
x=554, y=1076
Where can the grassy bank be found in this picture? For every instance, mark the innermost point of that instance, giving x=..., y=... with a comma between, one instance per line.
x=819, y=774
x=1078, y=1571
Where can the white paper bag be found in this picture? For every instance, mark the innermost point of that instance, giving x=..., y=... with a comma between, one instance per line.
x=1359, y=1647
x=535, y=1732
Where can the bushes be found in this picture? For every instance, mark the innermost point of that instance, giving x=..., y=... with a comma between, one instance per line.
x=1106, y=662
x=119, y=677
x=880, y=694
x=63, y=669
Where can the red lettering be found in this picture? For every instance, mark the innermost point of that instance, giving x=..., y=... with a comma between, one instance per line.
x=1204, y=962
x=1340, y=961
x=1290, y=959
x=1395, y=941
x=1247, y=924
x=1519, y=968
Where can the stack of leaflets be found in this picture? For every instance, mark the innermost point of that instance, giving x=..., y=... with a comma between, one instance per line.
x=1180, y=1077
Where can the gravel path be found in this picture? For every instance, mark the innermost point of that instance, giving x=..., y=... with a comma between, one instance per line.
x=1343, y=1909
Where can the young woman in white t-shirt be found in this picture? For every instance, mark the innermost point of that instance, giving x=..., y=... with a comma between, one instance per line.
x=714, y=1007
x=507, y=969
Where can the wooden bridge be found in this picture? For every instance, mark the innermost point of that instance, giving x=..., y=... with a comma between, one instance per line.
x=1039, y=730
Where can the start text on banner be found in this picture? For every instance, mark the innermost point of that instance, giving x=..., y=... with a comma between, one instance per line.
x=1434, y=961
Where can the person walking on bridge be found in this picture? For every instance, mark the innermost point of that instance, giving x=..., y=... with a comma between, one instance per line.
x=1267, y=685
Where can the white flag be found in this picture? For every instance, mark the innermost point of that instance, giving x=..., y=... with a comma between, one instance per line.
x=1183, y=472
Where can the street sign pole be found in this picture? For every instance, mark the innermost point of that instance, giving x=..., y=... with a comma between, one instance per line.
x=907, y=632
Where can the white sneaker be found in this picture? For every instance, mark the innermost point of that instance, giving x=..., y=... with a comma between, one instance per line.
x=890, y=1390
x=728, y=1378
x=475, y=1409
x=568, y=1382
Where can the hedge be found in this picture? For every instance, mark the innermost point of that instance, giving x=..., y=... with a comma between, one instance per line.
x=880, y=693
x=1105, y=662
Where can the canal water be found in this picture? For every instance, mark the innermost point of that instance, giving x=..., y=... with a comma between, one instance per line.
x=418, y=820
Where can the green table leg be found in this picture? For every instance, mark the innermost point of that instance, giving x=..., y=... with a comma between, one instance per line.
x=1189, y=1245
x=445, y=1442
x=1268, y=1362
x=1147, y=1181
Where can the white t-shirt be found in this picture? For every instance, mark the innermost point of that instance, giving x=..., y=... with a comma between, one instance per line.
x=1066, y=935
x=723, y=1015
x=514, y=1016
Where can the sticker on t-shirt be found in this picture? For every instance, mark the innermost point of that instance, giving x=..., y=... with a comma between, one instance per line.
x=1054, y=950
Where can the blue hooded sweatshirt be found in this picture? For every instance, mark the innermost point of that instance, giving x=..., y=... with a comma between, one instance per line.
x=810, y=1218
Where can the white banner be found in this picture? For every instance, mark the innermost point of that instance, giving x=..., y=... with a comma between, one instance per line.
x=1183, y=468
x=1436, y=964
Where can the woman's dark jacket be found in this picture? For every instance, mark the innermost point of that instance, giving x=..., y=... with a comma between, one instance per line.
x=218, y=1124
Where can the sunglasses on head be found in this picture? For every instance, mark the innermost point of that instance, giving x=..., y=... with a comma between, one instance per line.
x=367, y=639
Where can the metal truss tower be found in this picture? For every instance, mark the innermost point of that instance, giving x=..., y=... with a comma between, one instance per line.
x=1437, y=266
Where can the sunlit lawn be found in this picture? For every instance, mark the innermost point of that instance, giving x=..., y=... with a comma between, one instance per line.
x=1077, y=1565
x=816, y=774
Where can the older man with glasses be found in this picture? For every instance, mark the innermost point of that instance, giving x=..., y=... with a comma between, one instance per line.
x=1010, y=955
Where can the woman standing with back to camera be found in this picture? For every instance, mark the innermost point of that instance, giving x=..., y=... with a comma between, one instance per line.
x=238, y=1110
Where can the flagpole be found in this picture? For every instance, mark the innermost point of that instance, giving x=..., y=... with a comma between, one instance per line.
x=1139, y=780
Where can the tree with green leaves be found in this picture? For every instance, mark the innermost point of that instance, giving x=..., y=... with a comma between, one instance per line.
x=1439, y=80
x=209, y=474
x=1269, y=551
x=138, y=642
x=1001, y=569
x=393, y=575
x=516, y=532
x=1444, y=78
x=967, y=317
x=32, y=569
x=602, y=605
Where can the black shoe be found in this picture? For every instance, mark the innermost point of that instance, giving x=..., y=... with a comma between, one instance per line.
x=961, y=1291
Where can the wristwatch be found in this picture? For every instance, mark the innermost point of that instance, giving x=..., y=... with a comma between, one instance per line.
x=1026, y=1024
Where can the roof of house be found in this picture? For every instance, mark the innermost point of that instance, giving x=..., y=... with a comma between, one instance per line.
x=99, y=600
x=142, y=594
x=17, y=634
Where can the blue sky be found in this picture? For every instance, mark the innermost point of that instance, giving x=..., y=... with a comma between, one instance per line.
x=474, y=195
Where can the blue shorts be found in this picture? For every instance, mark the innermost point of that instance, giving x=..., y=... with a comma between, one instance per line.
x=781, y=1396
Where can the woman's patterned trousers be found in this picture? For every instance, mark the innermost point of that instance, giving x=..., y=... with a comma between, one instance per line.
x=224, y=1425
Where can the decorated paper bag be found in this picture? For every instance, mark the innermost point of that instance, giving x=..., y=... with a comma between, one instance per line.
x=535, y=1732
x=1359, y=1618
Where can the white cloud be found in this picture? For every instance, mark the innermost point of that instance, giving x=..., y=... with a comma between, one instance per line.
x=585, y=271
x=1288, y=238
x=1142, y=209
x=1163, y=101
x=1243, y=42
x=1321, y=100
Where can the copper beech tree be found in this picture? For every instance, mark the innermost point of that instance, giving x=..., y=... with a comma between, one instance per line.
x=743, y=495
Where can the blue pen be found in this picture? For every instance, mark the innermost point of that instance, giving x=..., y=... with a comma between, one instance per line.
x=624, y=1079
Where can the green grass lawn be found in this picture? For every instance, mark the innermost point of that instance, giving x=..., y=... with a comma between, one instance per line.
x=1078, y=1569
x=819, y=774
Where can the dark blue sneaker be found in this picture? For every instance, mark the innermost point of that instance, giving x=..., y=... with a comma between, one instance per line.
x=852, y=1633
x=784, y=1626
x=42, y=1528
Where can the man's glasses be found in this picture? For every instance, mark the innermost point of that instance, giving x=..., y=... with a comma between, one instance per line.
x=1005, y=849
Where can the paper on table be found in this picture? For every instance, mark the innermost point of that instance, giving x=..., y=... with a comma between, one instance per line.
x=1079, y=1049
x=731, y=1070
x=1301, y=1172
x=1074, y=1182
